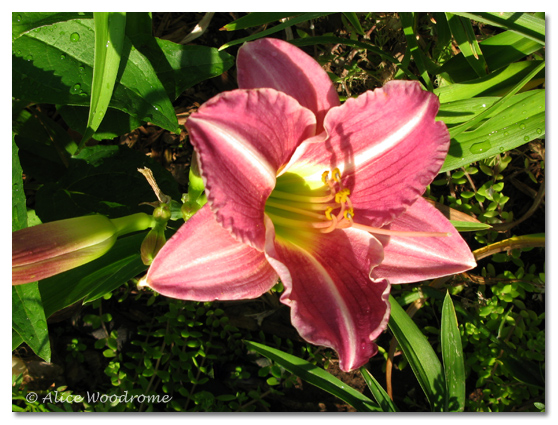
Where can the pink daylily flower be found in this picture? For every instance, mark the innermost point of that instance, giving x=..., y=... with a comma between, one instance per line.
x=324, y=196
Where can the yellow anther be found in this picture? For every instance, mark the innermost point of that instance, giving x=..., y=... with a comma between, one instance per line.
x=342, y=196
x=325, y=176
x=328, y=212
x=336, y=174
x=349, y=214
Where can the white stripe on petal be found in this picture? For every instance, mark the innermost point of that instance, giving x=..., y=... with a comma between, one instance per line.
x=392, y=140
x=253, y=157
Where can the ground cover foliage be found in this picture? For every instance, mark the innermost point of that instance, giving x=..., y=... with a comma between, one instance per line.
x=107, y=335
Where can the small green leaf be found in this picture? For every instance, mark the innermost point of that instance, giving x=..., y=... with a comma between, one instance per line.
x=452, y=355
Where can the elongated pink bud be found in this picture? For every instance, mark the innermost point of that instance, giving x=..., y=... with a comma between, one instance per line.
x=47, y=249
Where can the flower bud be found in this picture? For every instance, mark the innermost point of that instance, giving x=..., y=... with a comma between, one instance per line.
x=47, y=249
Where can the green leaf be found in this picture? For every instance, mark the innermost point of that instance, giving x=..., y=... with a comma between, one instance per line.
x=96, y=278
x=521, y=120
x=315, y=376
x=353, y=19
x=463, y=33
x=469, y=226
x=499, y=51
x=289, y=23
x=28, y=316
x=452, y=356
x=524, y=24
x=19, y=209
x=420, y=355
x=28, y=319
x=256, y=19
x=56, y=66
x=23, y=22
x=380, y=395
x=109, y=42
x=423, y=63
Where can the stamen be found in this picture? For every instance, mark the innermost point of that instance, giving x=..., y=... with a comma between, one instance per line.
x=389, y=232
x=282, y=206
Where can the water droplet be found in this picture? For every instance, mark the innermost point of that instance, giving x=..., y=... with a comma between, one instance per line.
x=81, y=69
x=29, y=57
x=157, y=107
x=62, y=56
x=18, y=53
x=501, y=149
x=74, y=36
x=522, y=126
x=506, y=133
x=526, y=138
x=539, y=131
x=480, y=147
x=18, y=18
x=62, y=32
x=76, y=89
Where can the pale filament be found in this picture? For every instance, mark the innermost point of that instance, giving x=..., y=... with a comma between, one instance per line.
x=328, y=220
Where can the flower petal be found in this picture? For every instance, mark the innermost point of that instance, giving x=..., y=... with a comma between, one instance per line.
x=387, y=146
x=242, y=138
x=408, y=259
x=332, y=298
x=202, y=262
x=277, y=64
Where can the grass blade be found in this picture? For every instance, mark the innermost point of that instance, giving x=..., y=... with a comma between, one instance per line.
x=315, y=376
x=289, y=23
x=462, y=31
x=380, y=395
x=522, y=23
x=420, y=355
x=256, y=19
x=109, y=40
x=452, y=356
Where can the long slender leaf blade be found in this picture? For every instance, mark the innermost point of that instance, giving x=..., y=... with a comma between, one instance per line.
x=256, y=19
x=452, y=356
x=468, y=226
x=96, y=278
x=500, y=133
x=23, y=22
x=315, y=376
x=289, y=23
x=462, y=31
x=523, y=23
x=419, y=353
x=109, y=41
x=353, y=19
x=407, y=20
x=380, y=395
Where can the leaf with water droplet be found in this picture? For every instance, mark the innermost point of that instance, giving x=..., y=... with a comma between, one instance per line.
x=74, y=36
x=480, y=147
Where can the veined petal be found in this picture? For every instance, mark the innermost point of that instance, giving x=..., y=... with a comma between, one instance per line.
x=408, y=259
x=386, y=144
x=332, y=298
x=242, y=138
x=274, y=63
x=202, y=262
